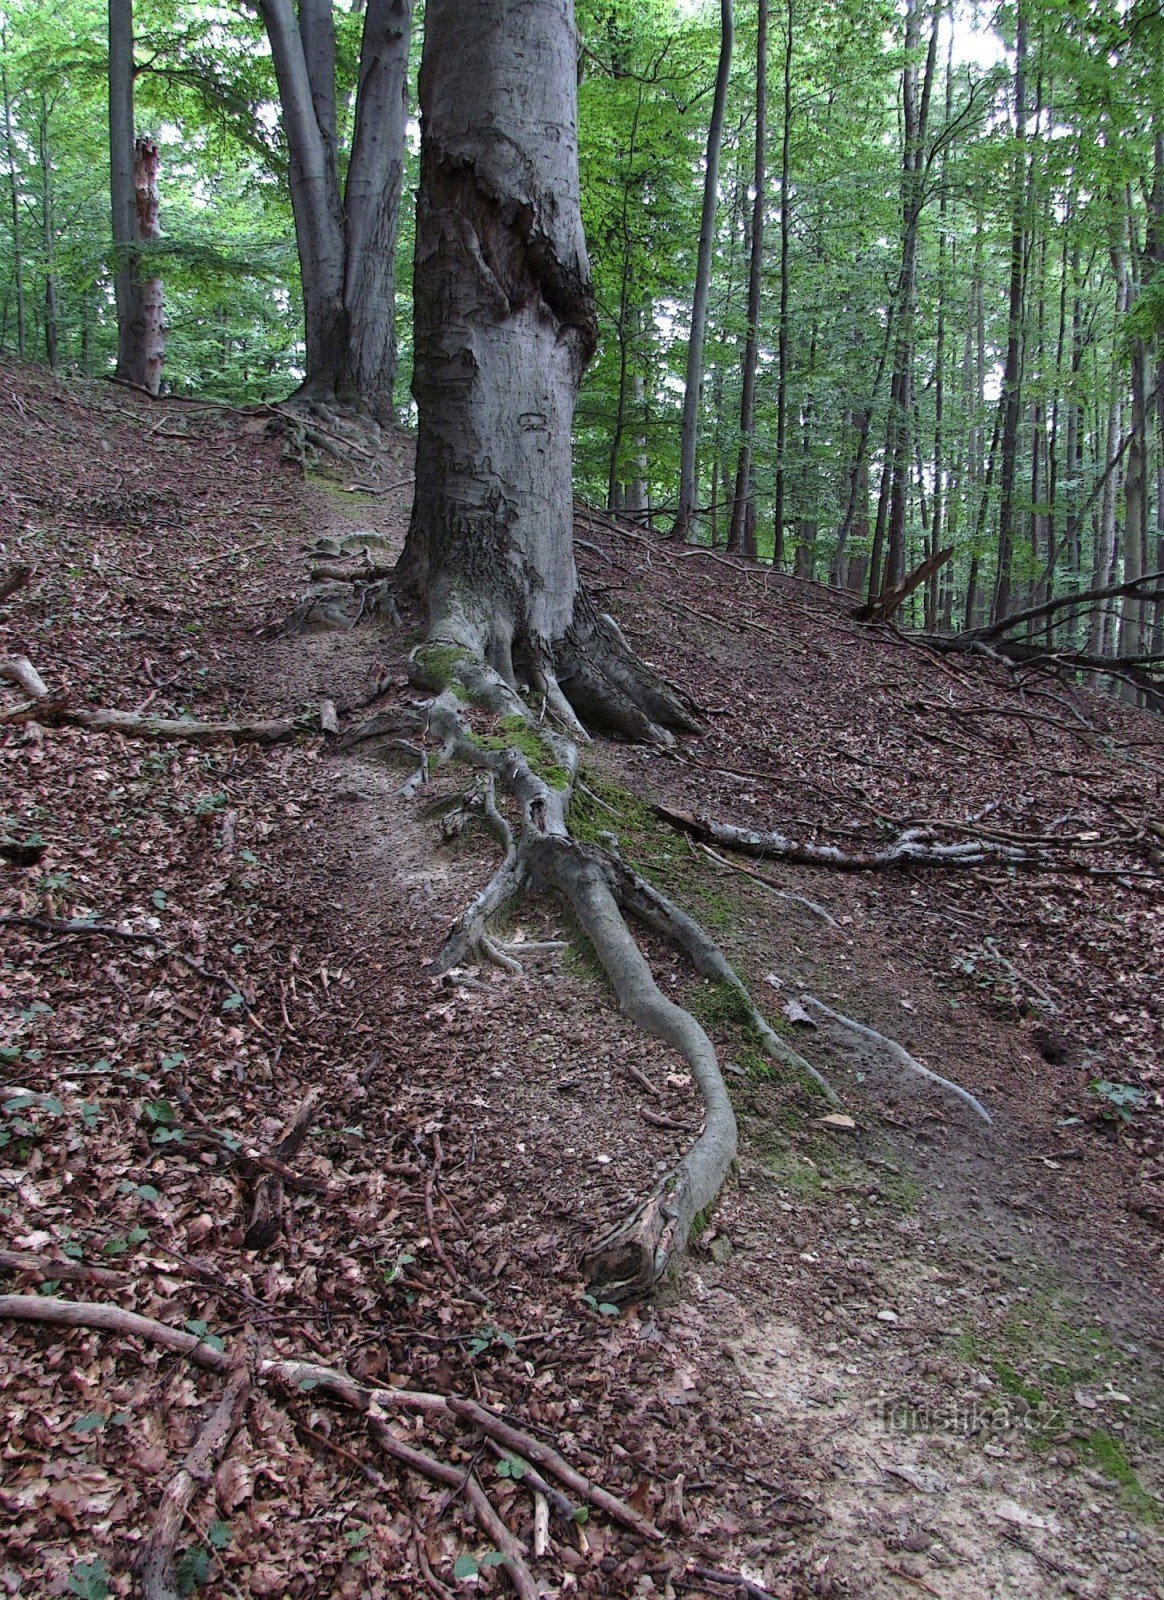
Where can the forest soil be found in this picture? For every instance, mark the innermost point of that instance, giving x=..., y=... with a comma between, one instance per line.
x=913, y=1356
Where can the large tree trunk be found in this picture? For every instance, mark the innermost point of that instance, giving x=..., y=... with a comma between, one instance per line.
x=504, y=328
x=689, y=437
x=346, y=240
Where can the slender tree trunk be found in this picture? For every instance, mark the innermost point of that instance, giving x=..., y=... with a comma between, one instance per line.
x=372, y=209
x=1156, y=251
x=52, y=342
x=128, y=288
x=916, y=91
x=152, y=336
x=347, y=242
x=1011, y=397
x=778, y=512
x=616, y=475
x=945, y=252
x=689, y=435
x=744, y=505
x=14, y=200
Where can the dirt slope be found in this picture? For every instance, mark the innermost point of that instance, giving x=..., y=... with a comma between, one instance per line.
x=913, y=1356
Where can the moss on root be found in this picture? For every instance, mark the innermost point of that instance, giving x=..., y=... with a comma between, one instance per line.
x=518, y=735
x=435, y=667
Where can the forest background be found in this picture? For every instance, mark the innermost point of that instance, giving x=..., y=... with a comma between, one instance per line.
x=957, y=306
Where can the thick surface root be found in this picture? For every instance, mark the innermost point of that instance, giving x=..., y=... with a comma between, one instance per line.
x=539, y=851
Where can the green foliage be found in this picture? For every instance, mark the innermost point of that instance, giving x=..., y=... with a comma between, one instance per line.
x=90, y=1580
x=1118, y=1100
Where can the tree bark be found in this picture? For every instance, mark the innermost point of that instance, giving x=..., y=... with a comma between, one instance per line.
x=689, y=438
x=346, y=240
x=14, y=199
x=782, y=333
x=1012, y=376
x=742, y=534
x=504, y=328
x=133, y=365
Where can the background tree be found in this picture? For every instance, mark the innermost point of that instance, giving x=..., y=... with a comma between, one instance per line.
x=346, y=234
x=133, y=164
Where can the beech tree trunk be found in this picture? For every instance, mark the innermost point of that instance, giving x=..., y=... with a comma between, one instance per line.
x=346, y=237
x=689, y=438
x=14, y=199
x=1012, y=376
x=782, y=336
x=504, y=328
x=140, y=339
x=742, y=534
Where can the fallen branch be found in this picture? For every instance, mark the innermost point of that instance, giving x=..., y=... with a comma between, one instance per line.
x=890, y=599
x=531, y=1449
x=266, y=1222
x=298, y=1377
x=900, y=1055
x=14, y=579
x=1048, y=608
x=20, y=670
x=484, y=1510
x=911, y=848
x=57, y=714
x=155, y=1561
x=51, y=1269
x=731, y=1580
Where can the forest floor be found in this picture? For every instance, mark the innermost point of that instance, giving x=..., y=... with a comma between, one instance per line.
x=911, y=1356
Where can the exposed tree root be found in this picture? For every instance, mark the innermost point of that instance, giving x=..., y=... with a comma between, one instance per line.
x=914, y=847
x=155, y=1560
x=627, y=1262
x=899, y=1054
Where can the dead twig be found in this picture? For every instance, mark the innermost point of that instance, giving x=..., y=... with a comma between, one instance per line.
x=485, y=1512
x=155, y=1561
x=266, y=1221
x=522, y=1444
x=50, y=1269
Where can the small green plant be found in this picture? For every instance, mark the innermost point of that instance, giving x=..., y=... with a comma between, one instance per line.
x=1120, y=1100
x=395, y=1272
x=193, y=1569
x=90, y=1580
x=467, y=1566
x=484, y=1337
x=605, y=1308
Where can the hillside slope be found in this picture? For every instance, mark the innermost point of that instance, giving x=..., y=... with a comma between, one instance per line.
x=914, y=1354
